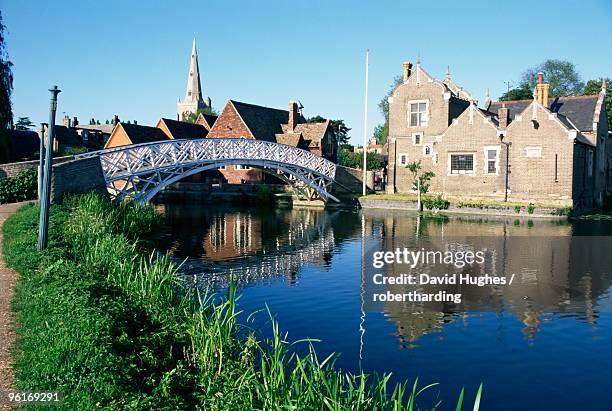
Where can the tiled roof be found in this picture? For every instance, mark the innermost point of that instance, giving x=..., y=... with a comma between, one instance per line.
x=313, y=132
x=578, y=109
x=67, y=136
x=103, y=128
x=143, y=134
x=290, y=139
x=264, y=122
x=207, y=120
x=185, y=130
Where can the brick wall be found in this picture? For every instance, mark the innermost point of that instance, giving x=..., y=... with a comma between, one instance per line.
x=12, y=169
x=229, y=125
x=351, y=180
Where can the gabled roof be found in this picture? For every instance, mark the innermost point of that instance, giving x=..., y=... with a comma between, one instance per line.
x=264, y=122
x=102, y=128
x=579, y=110
x=313, y=132
x=207, y=120
x=290, y=139
x=143, y=134
x=183, y=130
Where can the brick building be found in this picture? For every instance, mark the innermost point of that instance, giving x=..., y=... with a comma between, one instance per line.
x=242, y=120
x=545, y=149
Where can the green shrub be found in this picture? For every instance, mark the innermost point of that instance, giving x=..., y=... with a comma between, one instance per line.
x=517, y=209
x=531, y=208
x=435, y=203
x=22, y=187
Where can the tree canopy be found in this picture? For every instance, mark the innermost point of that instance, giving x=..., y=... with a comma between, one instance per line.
x=381, y=131
x=192, y=117
x=6, y=89
x=351, y=159
x=594, y=87
x=561, y=75
x=24, y=123
x=340, y=130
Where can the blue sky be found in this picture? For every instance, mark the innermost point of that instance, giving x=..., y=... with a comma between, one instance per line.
x=131, y=57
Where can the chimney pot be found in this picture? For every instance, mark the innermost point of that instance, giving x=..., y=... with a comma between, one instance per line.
x=407, y=70
x=540, y=77
x=293, y=115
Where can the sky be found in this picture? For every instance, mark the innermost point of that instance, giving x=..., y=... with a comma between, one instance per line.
x=131, y=58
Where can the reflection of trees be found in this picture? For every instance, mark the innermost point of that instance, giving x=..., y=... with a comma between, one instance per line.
x=553, y=271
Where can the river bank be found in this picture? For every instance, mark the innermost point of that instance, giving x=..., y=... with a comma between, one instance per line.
x=102, y=320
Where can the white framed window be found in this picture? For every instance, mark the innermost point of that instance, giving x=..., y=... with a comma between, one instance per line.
x=417, y=139
x=240, y=167
x=428, y=150
x=590, y=162
x=461, y=163
x=402, y=159
x=491, y=156
x=418, y=113
x=533, y=151
x=223, y=168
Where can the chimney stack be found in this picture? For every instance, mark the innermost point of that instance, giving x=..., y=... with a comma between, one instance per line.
x=115, y=119
x=407, y=70
x=75, y=121
x=503, y=114
x=66, y=121
x=293, y=115
x=542, y=90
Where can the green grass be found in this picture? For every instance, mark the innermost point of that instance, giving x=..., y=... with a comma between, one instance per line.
x=105, y=320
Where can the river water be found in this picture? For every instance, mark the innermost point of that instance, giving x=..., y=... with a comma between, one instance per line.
x=542, y=344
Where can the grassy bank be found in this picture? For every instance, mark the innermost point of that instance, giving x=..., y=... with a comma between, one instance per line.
x=102, y=320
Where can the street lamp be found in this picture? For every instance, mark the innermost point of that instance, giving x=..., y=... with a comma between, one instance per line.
x=45, y=200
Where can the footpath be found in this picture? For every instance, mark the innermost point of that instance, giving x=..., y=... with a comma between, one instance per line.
x=8, y=282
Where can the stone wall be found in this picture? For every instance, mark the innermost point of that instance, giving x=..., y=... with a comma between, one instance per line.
x=76, y=177
x=351, y=180
x=12, y=169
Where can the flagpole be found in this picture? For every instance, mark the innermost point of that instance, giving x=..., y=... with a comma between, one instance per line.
x=365, y=126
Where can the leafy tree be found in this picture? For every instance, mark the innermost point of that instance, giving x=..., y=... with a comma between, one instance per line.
x=420, y=180
x=24, y=123
x=594, y=87
x=523, y=92
x=338, y=127
x=381, y=131
x=562, y=76
x=6, y=89
x=107, y=122
x=348, y=158
x=192, y=117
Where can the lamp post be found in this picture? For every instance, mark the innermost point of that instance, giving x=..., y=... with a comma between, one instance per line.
x=45, y=200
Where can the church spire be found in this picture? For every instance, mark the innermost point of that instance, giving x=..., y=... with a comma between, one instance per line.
x=194, y=87
x=194, y=100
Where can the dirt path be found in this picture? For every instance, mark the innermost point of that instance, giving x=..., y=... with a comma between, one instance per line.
x=8, y=281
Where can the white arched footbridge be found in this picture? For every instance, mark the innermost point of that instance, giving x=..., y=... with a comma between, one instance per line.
x=140, y=171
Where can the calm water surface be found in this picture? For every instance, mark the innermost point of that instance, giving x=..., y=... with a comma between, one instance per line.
x=545, y=345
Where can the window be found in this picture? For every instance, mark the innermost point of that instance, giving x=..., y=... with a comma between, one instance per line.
x=461, y=163
x=491, y=154
x=239, y=167
x=223, y=168
x=427, y=150
x=417, y=139
x=417, y=113
x=590, y=163
x=403, y=159
x=533, y=151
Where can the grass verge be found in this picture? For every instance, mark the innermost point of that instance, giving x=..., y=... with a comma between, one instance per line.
x=107, y=322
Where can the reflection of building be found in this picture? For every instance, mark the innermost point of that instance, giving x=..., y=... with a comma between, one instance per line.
x=553, y=272
x=231, y=236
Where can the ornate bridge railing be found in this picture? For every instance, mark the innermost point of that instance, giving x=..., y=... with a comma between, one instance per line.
x=140, y=171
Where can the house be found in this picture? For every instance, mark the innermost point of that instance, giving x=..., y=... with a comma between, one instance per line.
x=207, y=120
x=64, y=138
x=545, y=149
x=181, y=130
x=243, y=120
x=126, y=134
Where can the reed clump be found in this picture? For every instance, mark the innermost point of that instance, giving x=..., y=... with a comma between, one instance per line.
x=106, y=320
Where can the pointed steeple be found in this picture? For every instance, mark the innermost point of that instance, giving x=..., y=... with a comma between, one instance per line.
x=194, y=99
x=448, y=73
x=194, y=87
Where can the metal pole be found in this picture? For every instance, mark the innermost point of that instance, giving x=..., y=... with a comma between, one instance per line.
x=41, y=159
x=507, y=168
x=43, y=227
x=365, y=126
